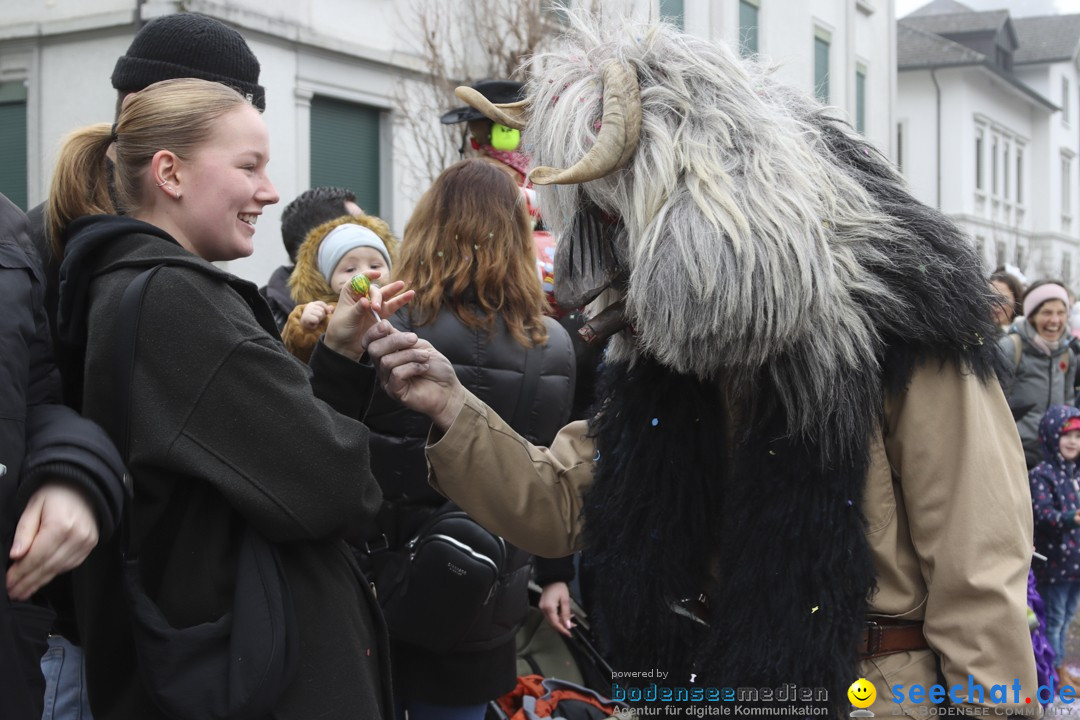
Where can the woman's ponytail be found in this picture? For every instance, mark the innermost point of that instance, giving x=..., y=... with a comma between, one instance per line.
x=80, y=183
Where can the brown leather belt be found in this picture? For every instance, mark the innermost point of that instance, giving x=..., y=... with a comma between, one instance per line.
x=885, y=637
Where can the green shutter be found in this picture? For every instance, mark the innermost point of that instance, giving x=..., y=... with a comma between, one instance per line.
x=860, y=100
x=821, y=69
x=748, y=28
x=345, y=149
x=13, y=142
x=671, y=11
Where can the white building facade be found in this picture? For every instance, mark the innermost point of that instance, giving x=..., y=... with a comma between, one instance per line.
x=332, y=70
x=988, y=131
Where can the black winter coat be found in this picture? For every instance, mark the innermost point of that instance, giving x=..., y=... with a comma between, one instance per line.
x=493, y=368
x=227, y=428
x=40, y=440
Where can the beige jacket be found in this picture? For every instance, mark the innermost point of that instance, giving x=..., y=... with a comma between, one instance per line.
x=948, y=513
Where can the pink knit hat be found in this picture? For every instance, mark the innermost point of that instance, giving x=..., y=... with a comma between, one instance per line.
x=1049, y=291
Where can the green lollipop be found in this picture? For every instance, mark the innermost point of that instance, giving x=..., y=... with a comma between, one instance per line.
x=360, y=285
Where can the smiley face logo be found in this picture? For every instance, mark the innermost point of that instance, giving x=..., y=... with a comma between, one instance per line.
x=862, y=693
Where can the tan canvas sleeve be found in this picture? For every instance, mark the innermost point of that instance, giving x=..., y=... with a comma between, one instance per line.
x=951, y=442
x=530, y=495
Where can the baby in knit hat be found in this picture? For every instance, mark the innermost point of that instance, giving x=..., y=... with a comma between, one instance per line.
x=332, y=254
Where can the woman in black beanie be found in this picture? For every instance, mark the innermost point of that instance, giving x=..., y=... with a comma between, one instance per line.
x=189, y=45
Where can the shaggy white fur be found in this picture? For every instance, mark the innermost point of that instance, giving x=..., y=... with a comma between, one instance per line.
x=749, y=243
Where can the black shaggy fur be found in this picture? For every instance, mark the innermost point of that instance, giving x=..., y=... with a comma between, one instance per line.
x=767, y=525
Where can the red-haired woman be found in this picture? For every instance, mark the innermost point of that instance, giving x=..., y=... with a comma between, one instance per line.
x=467, y=251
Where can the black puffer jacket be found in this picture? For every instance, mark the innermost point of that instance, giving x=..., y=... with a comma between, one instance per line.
x=40, y=440
x=494, y=369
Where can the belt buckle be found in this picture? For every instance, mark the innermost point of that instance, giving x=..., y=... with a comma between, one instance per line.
x=874, y=633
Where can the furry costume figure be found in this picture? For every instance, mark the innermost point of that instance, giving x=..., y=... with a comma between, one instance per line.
x=776, y=272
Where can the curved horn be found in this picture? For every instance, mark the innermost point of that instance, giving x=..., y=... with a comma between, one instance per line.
x=509, y=114
x=620, y=131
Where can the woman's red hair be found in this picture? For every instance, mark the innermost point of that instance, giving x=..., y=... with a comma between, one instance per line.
x=468, y=247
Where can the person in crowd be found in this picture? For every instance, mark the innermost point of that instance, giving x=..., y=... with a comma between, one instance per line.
x=1010, y=290
x=309, y=210
x=215, y=399
x=332, y=254
x=1055, y=497
x=499, y=144
x=170, y=46
x=801, y=414
x=490, y=140
x=467, y=250
x=61, y=485
x=1043, y=367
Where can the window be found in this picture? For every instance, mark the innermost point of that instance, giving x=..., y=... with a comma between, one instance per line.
x=1065, y=100
x=900, y=147
x=980, y=248
x=1005, y=172
x=979, y=185
x=13, y=142
x=748, y=27
x=1066, y=267
x=821, y=65
x=1019, y=176
x=999, y=253
x=994, y=166
x=1066, y=182
x=345, y=149
x=671, y=11
x=860, y=98
x=1021, y=257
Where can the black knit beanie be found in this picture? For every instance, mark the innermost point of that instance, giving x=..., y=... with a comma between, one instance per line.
x=189, y=45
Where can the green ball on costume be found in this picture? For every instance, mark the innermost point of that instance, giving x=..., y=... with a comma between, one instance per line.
x=504, y=138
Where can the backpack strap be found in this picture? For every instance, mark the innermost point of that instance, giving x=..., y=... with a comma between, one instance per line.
x=127, y=329
x=1017, y=349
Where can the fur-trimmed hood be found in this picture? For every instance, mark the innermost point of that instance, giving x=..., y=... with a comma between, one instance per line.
x=306, y=283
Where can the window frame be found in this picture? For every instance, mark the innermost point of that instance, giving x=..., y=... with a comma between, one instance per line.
x=746, y=31
x=822, y=85
x=861, y=77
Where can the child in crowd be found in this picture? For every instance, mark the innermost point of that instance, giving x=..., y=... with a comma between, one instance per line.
x=1055, y=497
x=331, y=255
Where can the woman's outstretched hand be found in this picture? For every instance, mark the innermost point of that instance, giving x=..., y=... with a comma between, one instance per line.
x=356, y=314
x=415, y=374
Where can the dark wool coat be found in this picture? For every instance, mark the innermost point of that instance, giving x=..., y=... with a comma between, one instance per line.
x=493, y=368
x=1055, y=498
x=227, y=428
x=40, y=440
